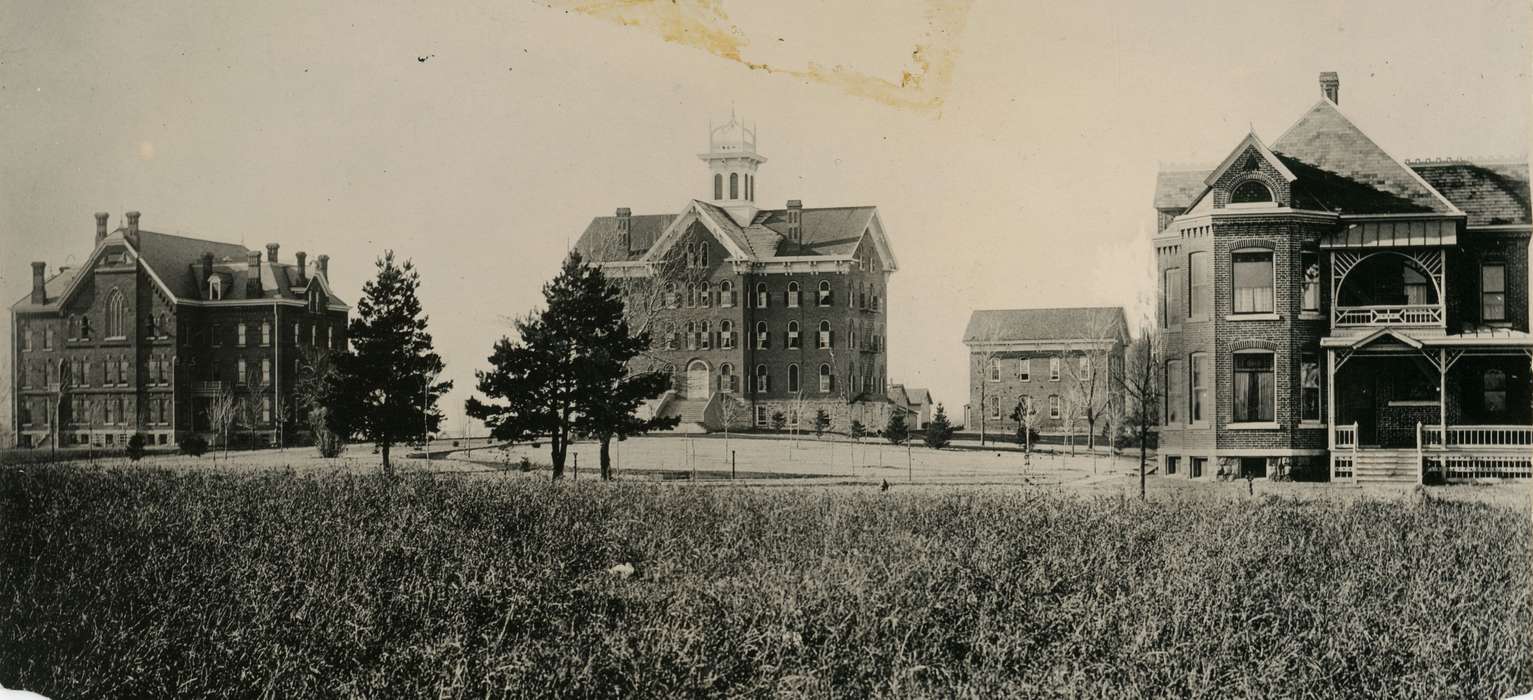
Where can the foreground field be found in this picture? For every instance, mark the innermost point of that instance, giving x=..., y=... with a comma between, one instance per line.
x=153, y=583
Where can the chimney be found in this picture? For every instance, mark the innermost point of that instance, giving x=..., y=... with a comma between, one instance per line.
x=271, y=252
x=624, y=228
x=100, y=226
x=795, y=214
x=133, y=224
x=39, y=291
x=1330, y=86
x=252, y=273
x=302, y=272
x=206, y=271
x=322, y=264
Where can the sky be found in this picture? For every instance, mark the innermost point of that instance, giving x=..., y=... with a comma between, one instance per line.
x=1014, y=168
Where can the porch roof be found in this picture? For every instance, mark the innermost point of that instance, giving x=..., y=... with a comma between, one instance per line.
x=1390, y=233
x=1418, y=338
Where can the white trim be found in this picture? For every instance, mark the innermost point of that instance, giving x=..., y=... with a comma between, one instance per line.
x=1251, y=139
x=1253, y=425
x=1257, y=317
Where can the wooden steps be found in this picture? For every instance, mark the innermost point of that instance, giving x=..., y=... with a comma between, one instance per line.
x=1379, y=466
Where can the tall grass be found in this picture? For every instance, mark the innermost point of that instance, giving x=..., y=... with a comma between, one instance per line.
x=143, y=583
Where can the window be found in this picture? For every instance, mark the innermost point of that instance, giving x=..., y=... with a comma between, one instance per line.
x=1493, y=292
x=328, y=339
x=1250, y=192
x=1309, y=387
x=48, y=339
x=215, y=288
x=1493, y=384
x=792, y=339
x=1418, y=290
x=265, y=409
x=1200, y=279
x=1253, y=282
x=216, y=335
x=314, y=335
x=1195, y=466
x=791, y=296
x=705, y=336
x=85, y=327
x=726, y=294
x=297, y=332
x=1171, y=297
x=734, y=185
x=1309, y=261
x=691, y=335
x=726, y=335
x=1171, y=464
x=792, y=379
x=824, y=299
x=1054, y=406
x=1198, y=381
x=116, y=315
x=718, y=186
x=762, y=379
x=825, y=339
x=993, y=404
x=239, y=332
x=26, y=340
x=691, y=295
x=761, y=335
x=239, y=377
x=727, y=377
x=993, y=370
x=265, y=371
x=266, y=333
x=1253, y=387
x=761, y=296
x=1173, y=392
x=761, y=416
x=1053, y=369
x=827, y=380
x=672, y=297
x=154, y=370
x=1085, y=368
x=1025, y=369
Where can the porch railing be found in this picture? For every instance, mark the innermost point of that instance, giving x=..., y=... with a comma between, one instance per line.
x=1432, y=436
x=1475, y=451
x=1392, y=315
x=1346, y=436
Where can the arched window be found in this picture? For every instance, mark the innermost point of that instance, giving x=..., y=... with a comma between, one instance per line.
x=761, y=335
x=691, y=335
x=734, y=185
x=718, y=186
x=761, y=379
x=792, y=295
x=672, y=298
x=727, y=377
x=726, y=335
x=1250, y=192
x=215, y=288
x=705, y=291
x=116, y=315
x=702, y=255
x=792, y=341
x=827, y=380
x=824, y=293
x=705, y=336
x=761, y=296
x=824, y=335
x=792, y=379
x=726, y=294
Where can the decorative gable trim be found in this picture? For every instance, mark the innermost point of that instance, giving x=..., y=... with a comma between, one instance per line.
x=678, y=226
x=1250, y=141
x=875, y=228
x=90, y=267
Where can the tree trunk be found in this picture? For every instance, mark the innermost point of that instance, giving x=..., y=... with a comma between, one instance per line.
x=606, y=458
x=1143, y=438
x=388, y=469
x=557, y=449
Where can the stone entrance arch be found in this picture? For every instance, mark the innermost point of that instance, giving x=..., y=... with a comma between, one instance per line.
x=697, y=380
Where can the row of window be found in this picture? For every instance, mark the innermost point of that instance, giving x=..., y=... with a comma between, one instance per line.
x=114, y=410
x=734, y=186
x=1024, y=368
x=1253, y=392
x=699, y=335
x=246, y=335
x=703, y=294
x=1025, y=407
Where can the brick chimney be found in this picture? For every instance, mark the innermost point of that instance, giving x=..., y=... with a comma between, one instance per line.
x=624, y=227
x=39, y=290
x=795, y=220
x=133, y=226
x=252, y=273
x=1330, y=87
x=271, y=252
x=101, y=217
x=303, y=272
x=322, y=264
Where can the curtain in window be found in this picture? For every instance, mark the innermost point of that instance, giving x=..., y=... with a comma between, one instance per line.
x=1253, y=388
x=1253, y=283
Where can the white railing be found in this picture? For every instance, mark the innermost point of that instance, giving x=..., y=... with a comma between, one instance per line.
x=1476, y=451
x=1395, y=315
x=1345, y=436
x=1477, y=436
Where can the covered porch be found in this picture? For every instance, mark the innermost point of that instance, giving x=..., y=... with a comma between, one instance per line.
x=1407, y=405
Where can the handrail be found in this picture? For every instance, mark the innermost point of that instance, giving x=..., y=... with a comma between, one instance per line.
x=1433, y=436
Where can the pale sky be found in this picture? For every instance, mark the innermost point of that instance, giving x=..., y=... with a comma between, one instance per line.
x=317, y=127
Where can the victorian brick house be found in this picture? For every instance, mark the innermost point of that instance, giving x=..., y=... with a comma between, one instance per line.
x=153, y=328
x=1328, y=306
x=755, y=311
x=1057, y=364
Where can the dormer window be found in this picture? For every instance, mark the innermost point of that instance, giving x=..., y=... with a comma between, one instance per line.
x=215, y=288
x=1251, y=192
x=315, y=301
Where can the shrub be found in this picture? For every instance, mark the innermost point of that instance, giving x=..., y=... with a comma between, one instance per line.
x=194, y=445
x=857, y=431
x=895, y=430
x=779, y=421
x=136, y=447
x=821, y=422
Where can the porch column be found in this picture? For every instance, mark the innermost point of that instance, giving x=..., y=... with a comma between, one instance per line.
x=1442, y=394
x=1330, y=399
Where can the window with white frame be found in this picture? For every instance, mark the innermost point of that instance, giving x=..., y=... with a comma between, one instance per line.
x=761, y=416
x=791, y=297
x=215, y=288
x=1025, y=369
x=1309, y=296
x=691, y=335
x=761, y=335
x=1252, y=273
x=993, y=404
x=239, y=377
x=726, y=294
x=792, y=342
x=116, y=315
x=1200, y=284
x=1493, y=291
x=1171, y=297
x=1197, y=381
x=825, y=339
x=1254, y=398
x=827, y=380
x=1309, y=387
x=265, y=371
x=1084, y=368
x=239, y=334
x=824, y=296
x=727, y=335
x=763, y=380
x=265, y=333
x=727, y=377
x=1174, y=381
x=792, y=379
x=1054, y=407
x=705, y=336
x=992, y=369
x=1054, y=369
x=762, y=298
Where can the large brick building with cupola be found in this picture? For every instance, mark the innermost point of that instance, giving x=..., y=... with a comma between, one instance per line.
x=755, y=311
x=153, y=328
x=1327, y=307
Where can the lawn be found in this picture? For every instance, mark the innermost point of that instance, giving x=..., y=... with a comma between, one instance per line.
x=157, y=582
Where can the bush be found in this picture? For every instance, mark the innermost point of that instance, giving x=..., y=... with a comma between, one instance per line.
x=895, y=431
x=857, y=431
x=136, y=447
x=194, y=445
x=779, y=421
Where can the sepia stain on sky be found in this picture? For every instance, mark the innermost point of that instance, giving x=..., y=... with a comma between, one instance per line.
x=923, y=83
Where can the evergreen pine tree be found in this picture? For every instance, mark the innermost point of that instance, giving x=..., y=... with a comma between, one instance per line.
x=895, y=430
x=939, y=432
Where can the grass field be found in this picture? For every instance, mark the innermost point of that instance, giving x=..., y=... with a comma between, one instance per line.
x=154, y=582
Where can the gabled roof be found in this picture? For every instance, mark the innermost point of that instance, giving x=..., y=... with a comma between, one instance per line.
x=1249, y=142
x=1024, y=325
x=1176, y=189
x=1347, y=169
x=827, y=231
x=602, y=242
x=172, y=257
x=1491, y=193
x=919, y=397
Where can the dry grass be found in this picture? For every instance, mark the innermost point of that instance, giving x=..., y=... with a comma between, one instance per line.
x=158, y=583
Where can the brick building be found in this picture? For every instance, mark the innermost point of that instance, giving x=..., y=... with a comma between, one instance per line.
x=152, y=328
x=755, y=311
x=1055, y=361
x=1329, y=307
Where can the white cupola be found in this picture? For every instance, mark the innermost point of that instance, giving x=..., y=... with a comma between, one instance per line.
x=732, y=162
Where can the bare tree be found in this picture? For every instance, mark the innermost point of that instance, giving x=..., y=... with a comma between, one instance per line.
x=989, y=364
x=249, y=407
x=1141, y=384
x=223, y=412
x=731, y=411
x=655, y=291
x=1089, y=374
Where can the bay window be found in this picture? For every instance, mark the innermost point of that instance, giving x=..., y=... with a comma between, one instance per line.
x=1253, y=281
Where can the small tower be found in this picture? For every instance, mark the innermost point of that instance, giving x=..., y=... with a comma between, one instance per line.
x=732, y=161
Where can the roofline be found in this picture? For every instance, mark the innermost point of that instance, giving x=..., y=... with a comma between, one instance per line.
x=1229, y=160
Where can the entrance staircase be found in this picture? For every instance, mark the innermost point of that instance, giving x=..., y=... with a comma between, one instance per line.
x=1384, y=466
x=690, y=411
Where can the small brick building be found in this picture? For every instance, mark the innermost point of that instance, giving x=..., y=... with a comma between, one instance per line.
x=1330, y=308
x=153, y=327
x=1054, y=362
x=755, y=311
